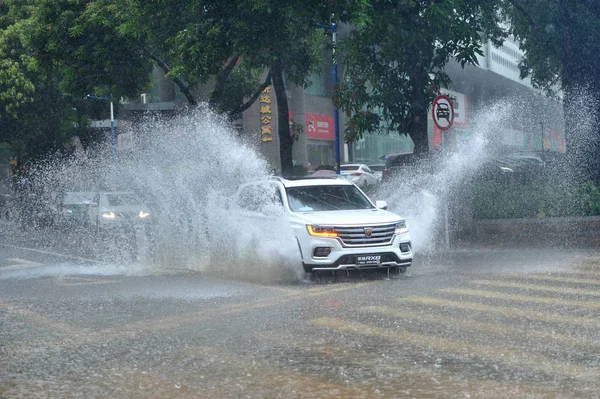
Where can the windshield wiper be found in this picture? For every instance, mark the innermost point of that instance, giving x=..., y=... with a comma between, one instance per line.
x=318, y=200
x=347, y=201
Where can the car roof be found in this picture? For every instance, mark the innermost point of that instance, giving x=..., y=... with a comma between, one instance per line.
x=353, y=164
x=314, y=181
x=398, y=154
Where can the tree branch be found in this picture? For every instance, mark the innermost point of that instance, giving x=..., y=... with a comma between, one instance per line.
x=165, y=67
x=520, y=8
x=222, y=76
x=592, y=7
x=254, y=96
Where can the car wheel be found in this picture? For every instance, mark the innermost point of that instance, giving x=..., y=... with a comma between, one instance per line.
x=307, y=268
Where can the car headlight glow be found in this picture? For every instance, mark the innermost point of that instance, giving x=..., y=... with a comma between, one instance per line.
x=109, y=215
x=401, y=227
x=318, y=231
x=144, y=214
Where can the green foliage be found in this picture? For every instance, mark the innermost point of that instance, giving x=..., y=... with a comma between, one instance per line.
x=536, y=199
x=16, y=72
x=560, y=39
x=395, y=64
x=299, y=170
x=51, y=56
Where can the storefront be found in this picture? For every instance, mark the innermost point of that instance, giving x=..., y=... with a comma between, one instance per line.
x=320, y=139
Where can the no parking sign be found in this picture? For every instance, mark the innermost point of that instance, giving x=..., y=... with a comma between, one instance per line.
x=442, y=112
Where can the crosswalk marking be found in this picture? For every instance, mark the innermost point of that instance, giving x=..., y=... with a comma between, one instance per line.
x=414, y=380
x=513, y=312
x=584, y=272
x=544, y=277
x=523, y=298
x=504, y=355
x=533, y=287
x=463, y=323
x=591, y=263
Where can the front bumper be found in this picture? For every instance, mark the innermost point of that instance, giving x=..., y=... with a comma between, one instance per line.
x=344, y=257
x=121, y=221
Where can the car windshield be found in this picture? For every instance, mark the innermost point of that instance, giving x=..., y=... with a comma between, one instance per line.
x=77, y=198
x=326, y=198
x=123, y=199
x=349, y=168
x=376, y=168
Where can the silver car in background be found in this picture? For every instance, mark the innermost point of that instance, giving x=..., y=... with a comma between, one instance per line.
x=359, y=174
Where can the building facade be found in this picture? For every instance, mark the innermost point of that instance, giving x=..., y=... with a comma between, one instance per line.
x=489, y=96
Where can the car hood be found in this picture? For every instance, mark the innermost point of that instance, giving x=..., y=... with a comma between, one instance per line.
x=126, y=208
x=351, y=217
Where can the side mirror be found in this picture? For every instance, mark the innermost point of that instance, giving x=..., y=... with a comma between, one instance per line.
x=381, y=204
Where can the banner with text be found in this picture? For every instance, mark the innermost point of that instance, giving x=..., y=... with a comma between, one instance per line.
x=320, y=127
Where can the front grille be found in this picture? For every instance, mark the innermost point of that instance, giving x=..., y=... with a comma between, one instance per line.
x=355, y=235
x=128, y=215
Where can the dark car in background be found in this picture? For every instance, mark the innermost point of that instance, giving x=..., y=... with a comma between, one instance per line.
x=404, y=166
x=398, y=164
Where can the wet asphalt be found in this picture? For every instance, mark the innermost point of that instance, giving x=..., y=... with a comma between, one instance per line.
x=469, y=322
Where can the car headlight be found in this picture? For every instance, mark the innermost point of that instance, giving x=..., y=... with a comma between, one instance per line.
x=318, y=231
x=143, y=214
x=109, y=215
x=401, y=227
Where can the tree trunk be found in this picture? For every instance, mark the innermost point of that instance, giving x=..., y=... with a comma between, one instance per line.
x=283, y=124
x=581, y=88
x=417, y=127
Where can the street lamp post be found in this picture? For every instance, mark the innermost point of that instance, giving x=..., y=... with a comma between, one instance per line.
x=336, y=116
x=112, y=123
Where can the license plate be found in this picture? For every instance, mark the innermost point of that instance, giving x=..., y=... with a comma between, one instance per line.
x=368, y=259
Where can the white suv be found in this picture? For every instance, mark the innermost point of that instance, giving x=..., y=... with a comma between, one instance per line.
x=335, y=224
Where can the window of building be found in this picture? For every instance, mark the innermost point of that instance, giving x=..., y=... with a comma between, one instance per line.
x=320, y=152
x=372, y=147
x=321, y=82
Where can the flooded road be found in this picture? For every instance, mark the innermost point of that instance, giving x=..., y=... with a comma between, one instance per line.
x=469, y=323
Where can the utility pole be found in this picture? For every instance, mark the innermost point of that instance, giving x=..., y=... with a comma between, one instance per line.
x=336, y=116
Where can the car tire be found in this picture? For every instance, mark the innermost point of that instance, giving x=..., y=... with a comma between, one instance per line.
x=307, y=268
x=397, y=270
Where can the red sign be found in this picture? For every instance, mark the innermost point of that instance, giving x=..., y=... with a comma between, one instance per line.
x=320, y=127
x=442, y=112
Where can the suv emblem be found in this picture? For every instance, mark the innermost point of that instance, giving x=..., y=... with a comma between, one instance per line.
x=368, y=232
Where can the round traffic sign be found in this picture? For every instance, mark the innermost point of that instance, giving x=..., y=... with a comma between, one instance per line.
x=442, y=112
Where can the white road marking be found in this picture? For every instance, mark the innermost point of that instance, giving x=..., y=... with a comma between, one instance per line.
x=66, y=281
x=50, y=253
x=20, y=264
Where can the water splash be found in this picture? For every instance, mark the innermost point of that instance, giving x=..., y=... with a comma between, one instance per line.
x=184, y=169
x=423, y=196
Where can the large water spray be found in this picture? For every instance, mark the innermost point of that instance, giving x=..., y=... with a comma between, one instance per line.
x=186, y=169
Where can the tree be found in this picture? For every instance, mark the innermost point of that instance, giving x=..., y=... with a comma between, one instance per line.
x=395, y=65
x=52, y=61
x=229, y=45
x=561, y=41
x=238, y=47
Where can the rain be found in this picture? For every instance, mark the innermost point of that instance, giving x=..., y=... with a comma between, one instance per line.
x=205, y=248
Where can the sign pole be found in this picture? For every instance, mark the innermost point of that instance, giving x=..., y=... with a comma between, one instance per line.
x=442, y=112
